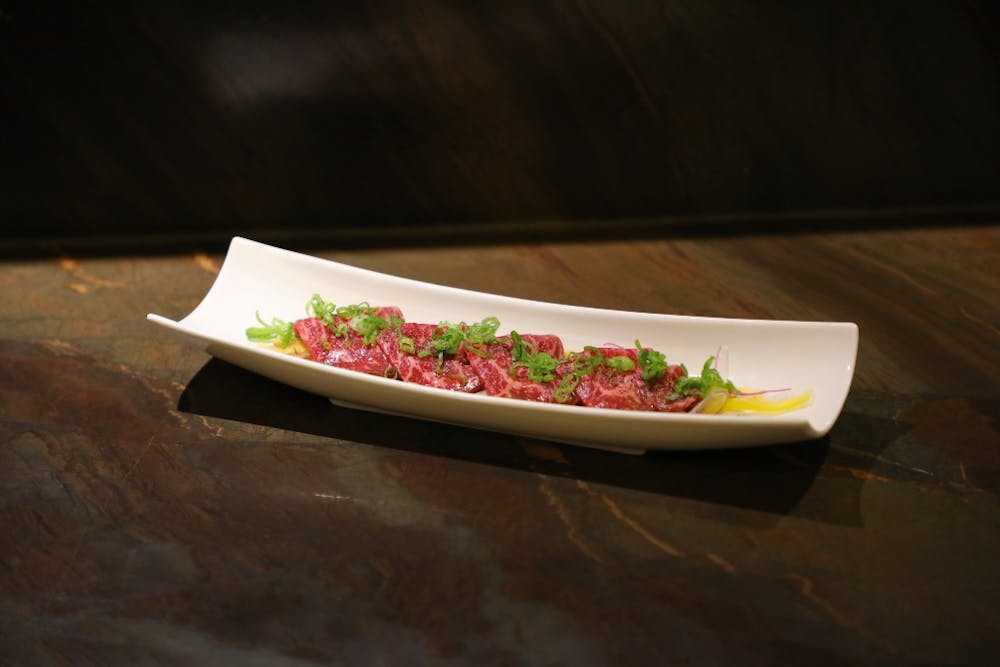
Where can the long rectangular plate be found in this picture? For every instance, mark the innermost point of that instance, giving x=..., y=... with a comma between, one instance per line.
x=761, y=354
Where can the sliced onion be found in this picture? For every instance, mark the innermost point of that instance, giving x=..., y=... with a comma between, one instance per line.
x=721, y=362
x=763, y=391
x=713, y=403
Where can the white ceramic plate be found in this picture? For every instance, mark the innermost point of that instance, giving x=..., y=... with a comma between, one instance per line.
x=762, y=354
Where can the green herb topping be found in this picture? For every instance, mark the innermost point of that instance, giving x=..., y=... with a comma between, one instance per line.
x=360, y=318
x=621, y=363
x=652, y=363
x=693, y=385
x=278, y=331
x=585, y=364
x=541, y=365
x=448, y=338
x=407, y=344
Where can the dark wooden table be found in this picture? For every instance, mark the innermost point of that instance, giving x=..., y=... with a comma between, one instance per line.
x=159, y=506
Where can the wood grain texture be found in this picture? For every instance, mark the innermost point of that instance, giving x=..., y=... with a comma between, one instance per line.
x=158, y=506
x=135, y=118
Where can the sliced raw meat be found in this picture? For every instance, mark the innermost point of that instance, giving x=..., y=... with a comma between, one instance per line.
x=493, y=368
x=453, y=372
x=349, y=351
x=607, y=387
x=660, y=391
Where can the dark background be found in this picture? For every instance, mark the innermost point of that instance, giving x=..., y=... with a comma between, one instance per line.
x=147, y=120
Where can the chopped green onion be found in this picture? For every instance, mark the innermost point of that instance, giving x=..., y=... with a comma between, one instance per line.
x=693, y=385
x=341, y=330
x=445, y=339
x=325, y=310
x=652, y=363
x=277, y=331
x=482, y=332
x=566, y=387
x=541, y=365
x=448, y=338
x=621, y=363
x=361, y=318
x=585, y=364
x=368, y=326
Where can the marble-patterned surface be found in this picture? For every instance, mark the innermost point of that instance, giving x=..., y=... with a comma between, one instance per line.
x=160, y=507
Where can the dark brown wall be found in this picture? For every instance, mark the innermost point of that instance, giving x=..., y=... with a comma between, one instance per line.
x=164, y=117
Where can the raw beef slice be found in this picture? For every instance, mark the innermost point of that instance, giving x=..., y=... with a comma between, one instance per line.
x=351, y=352
x=494, y=369
x=606, y=387
x=454, y=373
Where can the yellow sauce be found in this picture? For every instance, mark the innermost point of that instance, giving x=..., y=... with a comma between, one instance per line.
x=767, y=403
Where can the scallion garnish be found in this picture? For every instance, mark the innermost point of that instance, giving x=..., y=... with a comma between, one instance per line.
x=541, y=366
x=652, y=363
x=368, y=326
x=621, y=363
x=585, y=364
x=277, y=331
x=361, y=318
x=324, y=310
x=693, y=385
x=448, y=338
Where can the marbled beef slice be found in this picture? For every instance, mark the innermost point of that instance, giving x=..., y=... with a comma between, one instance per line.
x=494, y=369
x=626, y=390
x=606, y=387
x=454, y=374
x=351, y=352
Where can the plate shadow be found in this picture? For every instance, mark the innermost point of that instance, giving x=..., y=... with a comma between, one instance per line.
x=770, y=480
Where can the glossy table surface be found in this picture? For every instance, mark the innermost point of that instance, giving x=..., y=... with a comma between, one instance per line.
x=157, y=505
